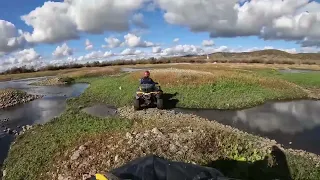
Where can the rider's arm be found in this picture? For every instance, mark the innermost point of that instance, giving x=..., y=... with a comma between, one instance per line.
x=152, y=81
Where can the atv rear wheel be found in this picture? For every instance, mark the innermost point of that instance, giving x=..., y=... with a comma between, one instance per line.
x=136, y=104
x=160, y=103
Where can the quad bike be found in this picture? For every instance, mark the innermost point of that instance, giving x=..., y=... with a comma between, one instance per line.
x=148, y=95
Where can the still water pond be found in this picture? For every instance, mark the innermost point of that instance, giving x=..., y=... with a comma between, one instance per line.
x=294, y=124
x=35, y=112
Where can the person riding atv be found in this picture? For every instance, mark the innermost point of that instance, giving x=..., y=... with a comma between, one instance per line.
x=148, y=94
x=146, y=79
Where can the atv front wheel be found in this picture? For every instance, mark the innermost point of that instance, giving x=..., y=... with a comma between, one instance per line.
x=160, y=103
x=136, y=104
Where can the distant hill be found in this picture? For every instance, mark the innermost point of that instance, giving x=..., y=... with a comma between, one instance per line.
x=271, y=53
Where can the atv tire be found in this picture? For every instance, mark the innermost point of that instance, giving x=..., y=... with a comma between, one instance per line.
x=136, y=105
x=160, y=104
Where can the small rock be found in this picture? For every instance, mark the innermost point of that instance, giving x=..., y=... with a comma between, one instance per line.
x=128, y=135
x=60, y=177
x=180, y=153
x=75, y=155
x=4, y=173
x=28, y=127
x=173, y=148
x=86, y=176
x=116, y=158
x=156, y=131
x=82, y=148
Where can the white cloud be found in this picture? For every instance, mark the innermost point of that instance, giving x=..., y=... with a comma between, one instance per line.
x=108, y=54
x=94, y=55
x=176, y=40
x=26, y=57
x=62, y=51
x=291, y=51
x=129, y=51
x=207, y=43
x=11, y=39
x=112, y=42
x=132, y=40
x=89, y=45
x=268, y=47
x=151, y=7
x=156, y=50
x=269, y=19
x=59, y=21
x=182, y=50
x=137, y=20
x=310, y=50
x=241, y=49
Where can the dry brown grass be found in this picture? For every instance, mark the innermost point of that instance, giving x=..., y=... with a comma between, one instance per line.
x=204, y=74
x=73, y=73
x=173, y=77
x=92, y=71
x=229, y=66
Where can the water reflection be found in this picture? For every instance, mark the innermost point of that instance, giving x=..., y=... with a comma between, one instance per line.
x=296, y=122
x=35, y=112
x=287, y=117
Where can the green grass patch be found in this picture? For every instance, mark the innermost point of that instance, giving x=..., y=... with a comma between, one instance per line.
x=309, y=79
x=304, y=79
x=223, y=94
x=32, y=154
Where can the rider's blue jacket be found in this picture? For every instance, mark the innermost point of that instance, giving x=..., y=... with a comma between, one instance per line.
x=146, y=80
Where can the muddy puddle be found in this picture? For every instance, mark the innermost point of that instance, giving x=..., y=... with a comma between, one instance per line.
x=35, y=112
x=294, y=124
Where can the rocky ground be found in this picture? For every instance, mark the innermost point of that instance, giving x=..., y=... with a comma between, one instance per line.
x=171, y=135
x=11, y=97
x=53, y=81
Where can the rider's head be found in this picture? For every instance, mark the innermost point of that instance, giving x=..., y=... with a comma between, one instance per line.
x=146, y=74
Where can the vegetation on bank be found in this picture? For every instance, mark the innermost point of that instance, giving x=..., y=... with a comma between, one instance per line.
x=70, y=73
x=219, y=89
x=38, y=153
x=32, y=154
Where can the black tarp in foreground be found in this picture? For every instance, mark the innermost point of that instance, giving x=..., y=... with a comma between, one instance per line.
x=156, y=168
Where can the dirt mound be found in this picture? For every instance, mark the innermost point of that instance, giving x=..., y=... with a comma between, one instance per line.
x=174, y=136
x=11, y=97
x=53, y=81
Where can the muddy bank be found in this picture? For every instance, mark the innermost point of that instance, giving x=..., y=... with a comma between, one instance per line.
x=175, y=136
x=12, y=97
x=101, y=110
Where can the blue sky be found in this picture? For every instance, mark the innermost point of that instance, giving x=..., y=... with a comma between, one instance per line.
x=159, y=31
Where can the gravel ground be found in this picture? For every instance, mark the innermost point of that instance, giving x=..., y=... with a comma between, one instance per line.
x=50, y=82
x=12, y=97
x=171, y=135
